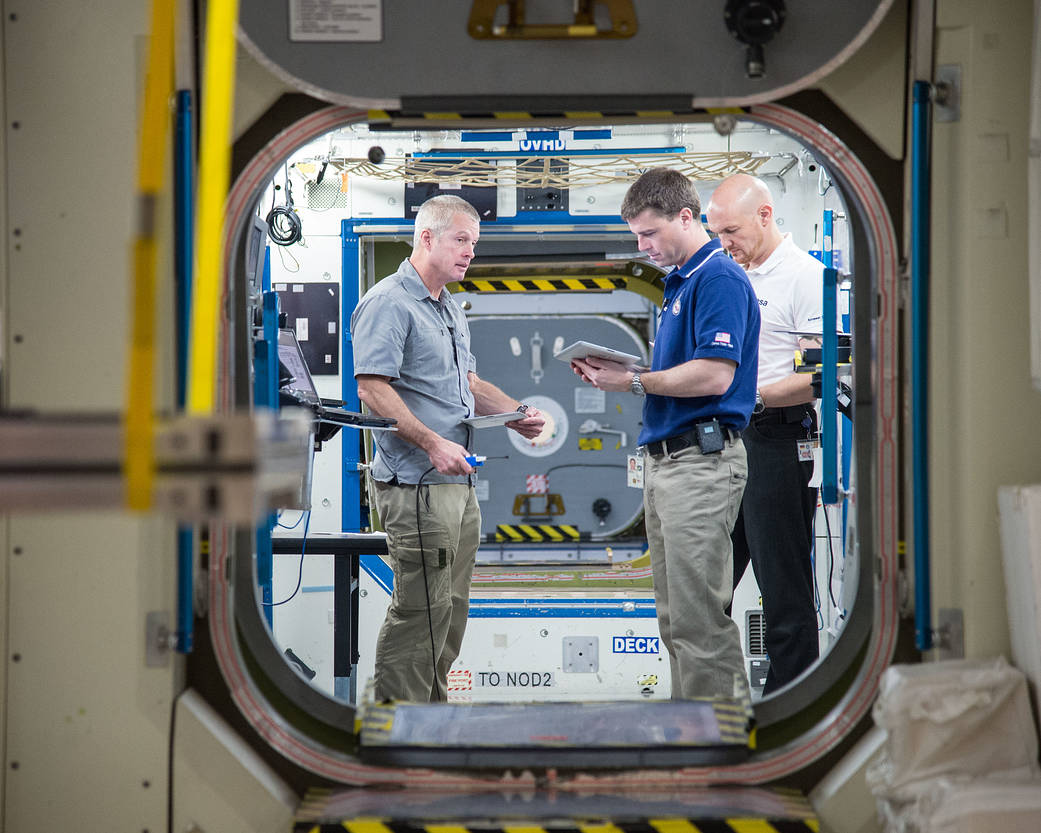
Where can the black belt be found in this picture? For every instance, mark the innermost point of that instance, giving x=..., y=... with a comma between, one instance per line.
x=783, y=416
x=671, y=445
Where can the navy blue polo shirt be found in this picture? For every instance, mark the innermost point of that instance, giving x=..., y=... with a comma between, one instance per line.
x=709, y=310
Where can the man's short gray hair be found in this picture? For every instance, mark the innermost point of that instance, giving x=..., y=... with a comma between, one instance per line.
x=437, y=213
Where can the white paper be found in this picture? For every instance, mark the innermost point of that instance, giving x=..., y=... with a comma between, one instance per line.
x=818, y=469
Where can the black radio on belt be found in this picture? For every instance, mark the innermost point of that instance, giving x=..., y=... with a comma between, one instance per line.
x=710, y=436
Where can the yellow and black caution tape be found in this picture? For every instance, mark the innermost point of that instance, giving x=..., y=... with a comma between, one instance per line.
x=390, y=118
x=420, y=115
x=525, y=533
x=374, y=722
x=734, y=719
x=584, y=284
x=806, y=823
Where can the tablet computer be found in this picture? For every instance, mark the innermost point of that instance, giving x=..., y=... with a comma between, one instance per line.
x=582, y=349
x=491, y=420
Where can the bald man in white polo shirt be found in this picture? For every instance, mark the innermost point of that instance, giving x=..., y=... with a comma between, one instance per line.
x=775, y=527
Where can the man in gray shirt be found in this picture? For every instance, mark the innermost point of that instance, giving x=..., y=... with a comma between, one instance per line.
x=412, y=362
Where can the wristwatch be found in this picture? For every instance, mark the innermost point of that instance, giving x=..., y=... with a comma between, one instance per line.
x=760, y=405
x=522, y=408
x=636, y=386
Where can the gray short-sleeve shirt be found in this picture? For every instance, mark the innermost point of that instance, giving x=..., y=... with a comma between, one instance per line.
x=423, y=346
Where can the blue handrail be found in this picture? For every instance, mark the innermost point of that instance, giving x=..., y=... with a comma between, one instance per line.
x=265, y=395
x=921, y=176
x=829, y=390
x=351, y=483
x=829, y=368
x=183, y=257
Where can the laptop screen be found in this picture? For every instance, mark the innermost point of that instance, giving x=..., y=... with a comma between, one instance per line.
x=290, y=355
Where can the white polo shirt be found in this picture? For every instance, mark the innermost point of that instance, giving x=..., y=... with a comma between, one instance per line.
x=789, y=285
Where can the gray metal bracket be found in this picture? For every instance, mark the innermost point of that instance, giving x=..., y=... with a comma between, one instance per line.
x=949, y=636
x=947, y=93
x=159, y=639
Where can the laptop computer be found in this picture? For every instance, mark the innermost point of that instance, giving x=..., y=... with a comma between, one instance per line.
x=296, y=387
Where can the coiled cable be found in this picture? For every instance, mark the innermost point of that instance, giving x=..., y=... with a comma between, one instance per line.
x=283, y=223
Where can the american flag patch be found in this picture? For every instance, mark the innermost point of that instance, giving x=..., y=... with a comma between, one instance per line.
x=722, y=338
x=537, y=484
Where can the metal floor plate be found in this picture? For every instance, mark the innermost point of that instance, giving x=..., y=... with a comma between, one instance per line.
x=614, y=735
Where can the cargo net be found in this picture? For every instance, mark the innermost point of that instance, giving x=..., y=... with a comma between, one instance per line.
x=553, y=171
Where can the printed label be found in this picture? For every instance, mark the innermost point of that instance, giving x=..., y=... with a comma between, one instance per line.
x=635, y=644
x=515, y=679
x=536, y=484
x=590, y=400
x=335, y=20
x=460, y=680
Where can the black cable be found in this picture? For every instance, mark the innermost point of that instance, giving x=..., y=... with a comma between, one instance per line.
x=300, y=569
x=295, y=525
x=831, y=559
x=423, y=561
x=585, y=465
x=813, y=564
x=283, y=224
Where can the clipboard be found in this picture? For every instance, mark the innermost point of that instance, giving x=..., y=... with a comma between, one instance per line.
x=582, y=349
x=492, y=420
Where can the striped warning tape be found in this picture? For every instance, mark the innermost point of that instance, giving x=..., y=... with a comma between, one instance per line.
x=374, y=722
x=734, y=824
x=389, y=118
x=523, y=533
x=583, y=284
x=734, y=719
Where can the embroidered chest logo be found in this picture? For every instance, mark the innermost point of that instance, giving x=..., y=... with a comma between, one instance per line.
x=676, y=307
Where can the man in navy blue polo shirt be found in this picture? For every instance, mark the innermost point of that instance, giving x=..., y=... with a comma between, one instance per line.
x=700, y=392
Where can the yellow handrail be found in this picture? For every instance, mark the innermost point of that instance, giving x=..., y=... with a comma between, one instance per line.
x=214, y=175
x=139, y=421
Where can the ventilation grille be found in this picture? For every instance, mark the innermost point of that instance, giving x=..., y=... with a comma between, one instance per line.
x=326, y=194
x=755, y=633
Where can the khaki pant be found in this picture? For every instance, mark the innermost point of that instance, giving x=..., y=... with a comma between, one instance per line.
x=412, y=640
x=691, y=501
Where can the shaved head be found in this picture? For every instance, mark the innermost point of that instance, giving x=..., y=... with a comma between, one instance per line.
x=741, y=213
x=741, y=193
